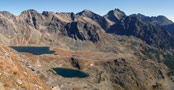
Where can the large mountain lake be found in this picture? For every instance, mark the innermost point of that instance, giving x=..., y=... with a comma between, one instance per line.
x=70, y=73
x=33, y=49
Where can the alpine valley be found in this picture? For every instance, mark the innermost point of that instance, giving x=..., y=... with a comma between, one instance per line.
x=86, y=51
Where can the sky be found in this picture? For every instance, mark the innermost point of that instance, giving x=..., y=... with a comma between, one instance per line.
x=101, y=7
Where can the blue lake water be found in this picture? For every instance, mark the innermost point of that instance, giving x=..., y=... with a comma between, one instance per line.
x=70, y=73
x=33, y=50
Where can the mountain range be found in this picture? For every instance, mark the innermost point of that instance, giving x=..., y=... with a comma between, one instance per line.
x=119, y=52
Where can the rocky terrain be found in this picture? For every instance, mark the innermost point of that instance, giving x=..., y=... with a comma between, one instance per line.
x=14, y=76
x=158, y=20
x=114, y=51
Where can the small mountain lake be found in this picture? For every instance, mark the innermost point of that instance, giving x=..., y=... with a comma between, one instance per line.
x=33, y=49
x=70, y=73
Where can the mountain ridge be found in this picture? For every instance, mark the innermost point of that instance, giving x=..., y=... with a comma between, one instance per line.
x=117, y=51
x=158, y=20
x=85, y=10
x=50, y=22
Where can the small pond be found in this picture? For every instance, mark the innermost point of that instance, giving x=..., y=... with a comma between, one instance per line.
x=70, y=73
x=33, y=49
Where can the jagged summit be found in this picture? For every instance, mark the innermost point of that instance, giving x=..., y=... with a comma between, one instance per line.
x=29, y=11
x=86, y=10
x=87, y=13
x=115, y=15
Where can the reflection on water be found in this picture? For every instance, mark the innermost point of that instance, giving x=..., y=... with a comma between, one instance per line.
x=70, y=73
x=33, y=50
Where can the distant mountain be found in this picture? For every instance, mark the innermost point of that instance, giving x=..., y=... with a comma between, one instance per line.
x=152, y=34
x=115, y=15
x=32, y=27
x=103, y=22
x=159, y=20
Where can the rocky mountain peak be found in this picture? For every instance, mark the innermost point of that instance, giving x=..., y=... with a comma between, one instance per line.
x=164, y=19
x=30, y=11
x=32, y=17
x=89, y=14
x=7, y=14
x=30, y=14
x=101, y=21
x=115, y=15
x=85, y=13
x=86, y=10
